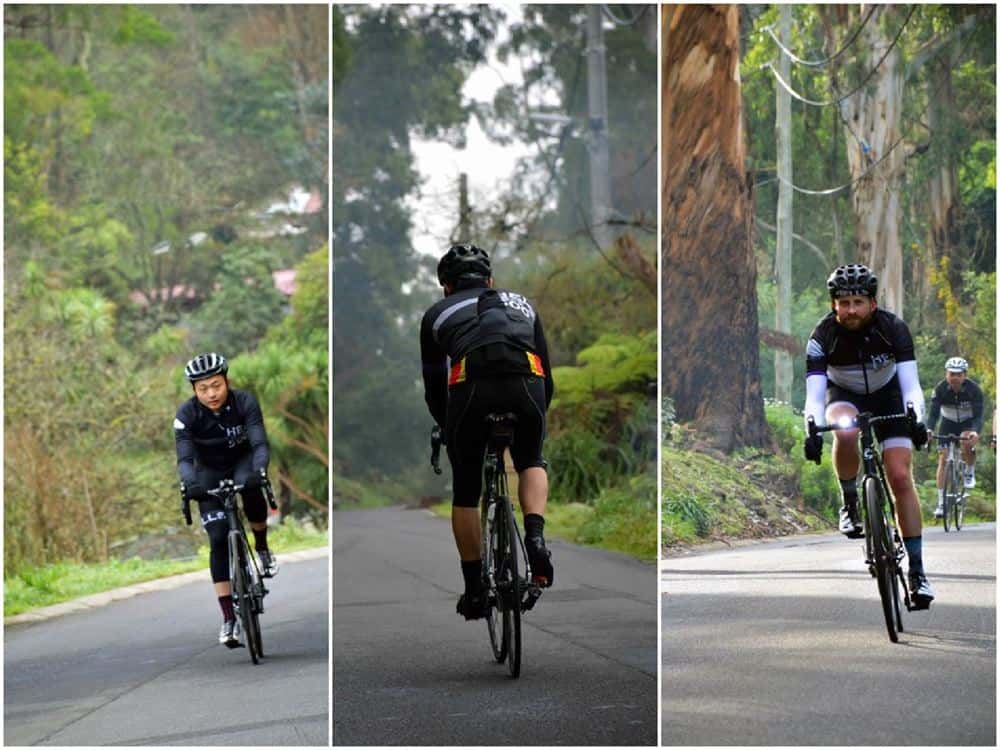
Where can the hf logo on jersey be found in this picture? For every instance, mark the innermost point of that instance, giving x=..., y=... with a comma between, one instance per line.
x=236, y=435
x=520, y=303
x=881, y=360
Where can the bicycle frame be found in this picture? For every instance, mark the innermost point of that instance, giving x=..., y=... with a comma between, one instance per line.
x=884, y=549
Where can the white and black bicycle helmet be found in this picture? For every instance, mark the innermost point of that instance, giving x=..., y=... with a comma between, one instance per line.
x=463, y=262
x=956, y=364
x=205, y=366
x=852, y=279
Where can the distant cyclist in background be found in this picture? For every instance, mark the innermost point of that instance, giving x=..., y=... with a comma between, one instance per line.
x=499, y=362
x=860, y=358
x=220, y=434
x=958, y=400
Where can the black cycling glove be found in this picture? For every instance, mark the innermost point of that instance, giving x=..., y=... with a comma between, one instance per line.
x=919, y=435
x=194, y=491
x=814, y=448
x=255, y=480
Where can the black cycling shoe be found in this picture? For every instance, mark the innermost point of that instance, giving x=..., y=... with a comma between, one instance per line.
x=850, y=520
x=472, y=606
x=541, y=561
x=921, y=594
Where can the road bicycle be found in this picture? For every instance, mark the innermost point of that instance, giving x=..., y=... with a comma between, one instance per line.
x=955, y=493
x=884, y=550
x=506, y=570
x=245, y=577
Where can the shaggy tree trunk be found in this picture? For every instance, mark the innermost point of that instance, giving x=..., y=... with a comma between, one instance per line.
x=874, y=154
x=710, y=342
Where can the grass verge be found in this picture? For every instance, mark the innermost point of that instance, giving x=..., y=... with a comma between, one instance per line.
x=51, y=584
x=620, y=518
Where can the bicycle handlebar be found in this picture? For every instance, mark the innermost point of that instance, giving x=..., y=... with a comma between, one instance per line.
x=948, y=438
x=847, y=423
x=436, y=442
x=228, y=487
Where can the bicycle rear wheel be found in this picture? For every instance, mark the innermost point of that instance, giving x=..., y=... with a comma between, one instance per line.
x=884, y=556
x=492, y=546
x=511, y=594
x=242, y=599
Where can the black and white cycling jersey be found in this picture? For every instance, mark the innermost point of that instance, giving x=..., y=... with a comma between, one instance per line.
x=861, y=362
x=962, y=407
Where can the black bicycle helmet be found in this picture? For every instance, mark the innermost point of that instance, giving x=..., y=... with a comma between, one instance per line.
x=852, y=279
x=463, y=262
x=205, y=366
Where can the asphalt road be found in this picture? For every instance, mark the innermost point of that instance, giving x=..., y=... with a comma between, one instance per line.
x=784, y=643
x=407, y=670
x=149, y=671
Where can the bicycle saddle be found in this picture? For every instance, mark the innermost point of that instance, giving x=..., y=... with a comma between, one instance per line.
x=501, y=429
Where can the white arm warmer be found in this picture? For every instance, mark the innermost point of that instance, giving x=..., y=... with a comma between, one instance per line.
x=909, y=383
x=815, y=399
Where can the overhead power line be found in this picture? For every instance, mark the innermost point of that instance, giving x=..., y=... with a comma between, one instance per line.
x=857, y=88
x=606, y=9
x=819, y=63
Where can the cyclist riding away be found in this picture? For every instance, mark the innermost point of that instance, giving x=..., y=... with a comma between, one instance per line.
x=860, y=358
x=220, y=434
x=483, y=351
x=959, y=403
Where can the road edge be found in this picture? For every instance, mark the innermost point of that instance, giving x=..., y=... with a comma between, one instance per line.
x=92, y=601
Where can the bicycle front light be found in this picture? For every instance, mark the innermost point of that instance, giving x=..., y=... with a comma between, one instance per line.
x=845, y=422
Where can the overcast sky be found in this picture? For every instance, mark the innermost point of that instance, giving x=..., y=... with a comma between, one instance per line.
x=487, y=164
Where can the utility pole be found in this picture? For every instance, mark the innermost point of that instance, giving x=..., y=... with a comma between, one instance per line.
x=783, y=257
x=464, y=225
x=597, y=142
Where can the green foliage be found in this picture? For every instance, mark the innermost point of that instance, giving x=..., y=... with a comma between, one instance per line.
x=624, y=518
x=242, y=307
x=130, y=171
x=290, y=376
x=45, y=585
x=818, y=485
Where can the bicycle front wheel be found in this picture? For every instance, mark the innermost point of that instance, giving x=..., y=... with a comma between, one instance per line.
x=242, y=597
x=961, y=495
x=949, y=497
x=508, y=569
x=884, y=556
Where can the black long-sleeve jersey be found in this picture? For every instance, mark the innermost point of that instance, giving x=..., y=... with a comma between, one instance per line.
x=963, y=406
x=220, y=440
x=859, y=361
x=483, y=332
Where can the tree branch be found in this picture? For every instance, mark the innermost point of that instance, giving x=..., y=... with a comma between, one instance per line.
x=819, y=253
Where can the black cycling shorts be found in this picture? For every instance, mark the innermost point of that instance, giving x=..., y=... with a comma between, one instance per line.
x=947, y=427
x=254, y=504
x=466, y=430
x=884, y=401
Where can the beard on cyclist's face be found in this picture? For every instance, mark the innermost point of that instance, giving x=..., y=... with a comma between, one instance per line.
x=955, y=379
x=212, y=392
x=854, y=312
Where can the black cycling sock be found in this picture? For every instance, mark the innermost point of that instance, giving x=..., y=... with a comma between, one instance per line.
x=849, y=488
x=226, y=603
x=915, y=552
x=534, y=524
x=472, y=572
x=260, y=539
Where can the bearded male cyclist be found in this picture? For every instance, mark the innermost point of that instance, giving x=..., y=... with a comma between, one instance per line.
x=483, y=351
x=219, y=434
x=958, y=401
x=860, y=358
